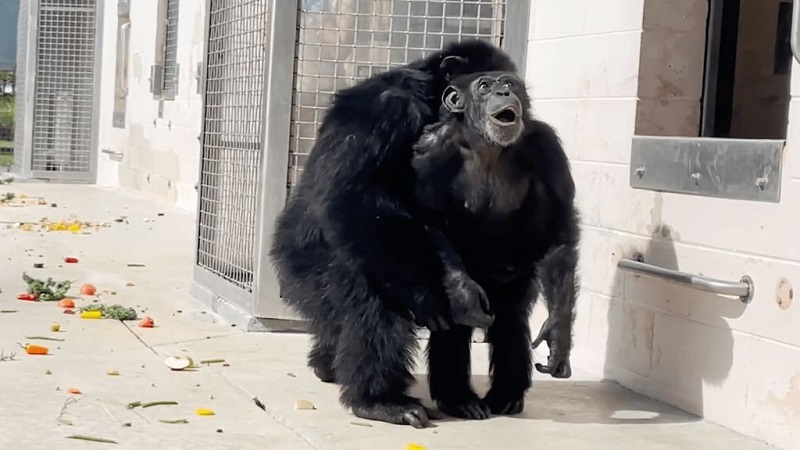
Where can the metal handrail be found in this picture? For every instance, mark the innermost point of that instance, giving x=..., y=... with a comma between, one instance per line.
x=743, y=288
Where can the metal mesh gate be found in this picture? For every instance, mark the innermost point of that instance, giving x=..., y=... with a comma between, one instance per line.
x=64, y=88
x=342, y=42
x=171, y=51
x=232, y=139
x=271, y=69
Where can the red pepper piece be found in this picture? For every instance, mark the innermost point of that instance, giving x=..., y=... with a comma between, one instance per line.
x=70, y=260
x=28, y=297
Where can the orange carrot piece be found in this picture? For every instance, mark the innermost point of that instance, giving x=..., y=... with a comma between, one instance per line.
x=74, y=391
x=33, y=349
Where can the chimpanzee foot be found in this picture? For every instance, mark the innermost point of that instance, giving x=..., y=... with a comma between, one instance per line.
x=503, y=403
x=471, y=407
x=325, y=374
x=411, y=413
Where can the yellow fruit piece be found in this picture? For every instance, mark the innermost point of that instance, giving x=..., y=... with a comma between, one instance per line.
x=91, y=315
x=112, y=372
x=415, y=447
x=204, y=412
x=75, y=227
x=55, y=327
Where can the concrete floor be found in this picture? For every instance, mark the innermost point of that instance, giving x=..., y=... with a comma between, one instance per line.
x=583, y=412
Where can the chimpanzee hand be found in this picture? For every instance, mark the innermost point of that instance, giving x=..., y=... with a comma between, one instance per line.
x=558, y=335
x=469, y=304
x=433, y=316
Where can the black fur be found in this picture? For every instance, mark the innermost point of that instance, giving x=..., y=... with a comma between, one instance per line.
x=351, y=258
x=503, y=195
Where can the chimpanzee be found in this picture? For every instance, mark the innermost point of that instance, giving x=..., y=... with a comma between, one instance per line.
x=497, y=183
x=350, y=256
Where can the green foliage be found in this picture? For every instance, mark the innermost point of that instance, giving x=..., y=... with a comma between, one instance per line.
x=116, y=312
x=7, y=111
x=6, y=102
x=47, y=290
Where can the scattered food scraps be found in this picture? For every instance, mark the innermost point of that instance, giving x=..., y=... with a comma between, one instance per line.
x=112, y=372
x=33, y=349
x=129, y=284
x=159, y=403
x=178, y=362
x=132, y=405
x=415, y=447
x=48, y=372
x=28, y=297
x=38, y=265
x=96, y=314
x=70, y=260
x=304, y=405
x=173, y=421
x=69, y=311
x=8, y=199
x=204, y=412
x=66, y=303
x=147, y=322
x=47, y=290
x=55, y=327
x=44, y=338
x=92, y=439
x=136, y=265
x=88, y=289
x=74, y=391
x=115, y=312
x=212, y=361
x=8, y=311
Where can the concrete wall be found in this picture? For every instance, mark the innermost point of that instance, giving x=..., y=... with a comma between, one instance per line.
x=733, y=364
x=160, y=154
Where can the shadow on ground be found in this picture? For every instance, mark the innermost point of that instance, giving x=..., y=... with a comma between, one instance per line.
x=578, y=402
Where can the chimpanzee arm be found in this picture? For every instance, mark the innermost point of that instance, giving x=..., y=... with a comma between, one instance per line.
x=557, y=272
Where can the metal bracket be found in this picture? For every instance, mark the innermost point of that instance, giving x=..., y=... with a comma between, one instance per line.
x=156, y=79
x=743, y=289
x=123, y=7
x=114, y=155
x=741, y=169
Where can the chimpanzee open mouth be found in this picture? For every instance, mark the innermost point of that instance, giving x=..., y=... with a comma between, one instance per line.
x=506, y=116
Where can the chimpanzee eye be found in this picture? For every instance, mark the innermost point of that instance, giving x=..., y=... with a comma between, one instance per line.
x=507, y=84
x=483, y=87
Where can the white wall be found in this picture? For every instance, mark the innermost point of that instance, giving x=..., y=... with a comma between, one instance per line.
x=160, y=155
x=733, y=364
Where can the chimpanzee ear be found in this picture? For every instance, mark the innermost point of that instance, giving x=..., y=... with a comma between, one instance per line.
x=452, y=101
x=451, y=65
